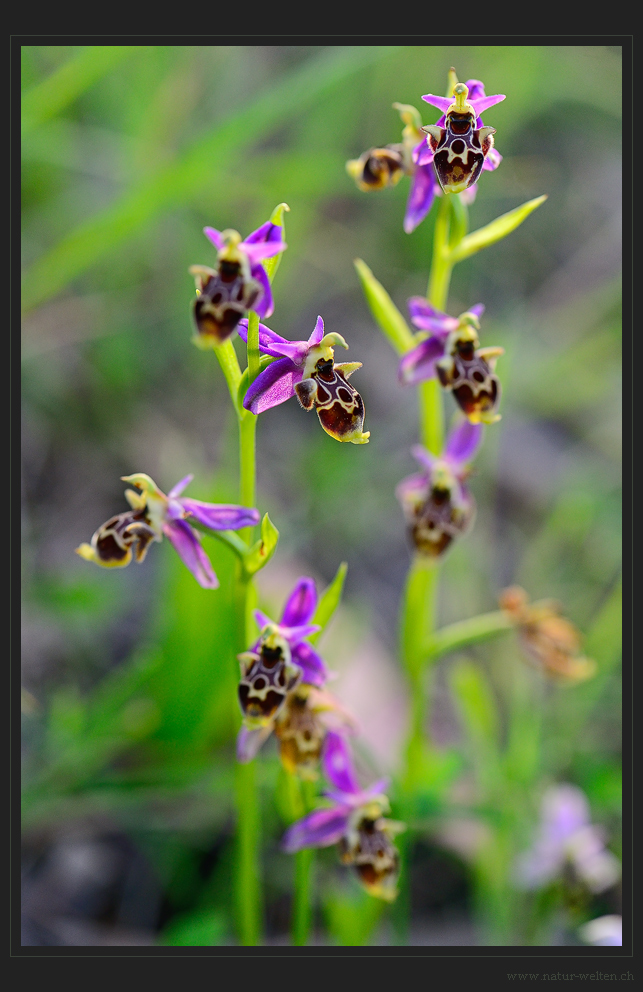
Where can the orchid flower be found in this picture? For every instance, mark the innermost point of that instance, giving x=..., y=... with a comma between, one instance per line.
x=355, y=821
x=152, y=515
x=458, y=144
x=567, y=838
x=238, y=284
x=451, y=351
x=437, y=504
x=307, y=369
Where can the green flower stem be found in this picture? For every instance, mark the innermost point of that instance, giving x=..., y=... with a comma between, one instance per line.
x=247, y=468
x=253, y=347
x=229, y=363
x=301, y=802
x=248, y=901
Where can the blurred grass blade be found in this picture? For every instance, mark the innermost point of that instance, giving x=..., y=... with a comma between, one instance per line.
x=182, y=180
x=277, y=217
x=329, y=601
x=495, y=231
x=66, y=84
x=477, y=706
x=386, y=314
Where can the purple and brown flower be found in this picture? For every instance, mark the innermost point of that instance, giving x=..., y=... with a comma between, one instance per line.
x=154, y=515
x=437, y=503
x=238, y=283
x=450, y=349
x=307, y=370
x=355, y=821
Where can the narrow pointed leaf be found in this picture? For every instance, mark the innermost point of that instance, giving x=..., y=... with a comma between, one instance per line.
x=495, y=231
x=261, y=552
x=386, y=314
x=277, y=217
x=329, y=601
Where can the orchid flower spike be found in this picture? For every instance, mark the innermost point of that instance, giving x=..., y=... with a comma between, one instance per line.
x=458, y=144
x=451, y=350
x=152, y=515
x=307, y=369
x=437, y=504
x=355, y=821
x=238, y=283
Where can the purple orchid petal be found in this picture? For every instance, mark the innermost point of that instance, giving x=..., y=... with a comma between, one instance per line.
x=258, y=252
x=492, y=160
x=477, y=310
x=301, y=603
x=427, y=318
x=317, y=334
x=462, y=443
x=273, y=386
x=476, y=90
x=319, y=829
x=298, y=632
x=413, y=488
x=423, y=456
x=267, y=232
x=419, y=364
x=250, y=741
x=174, y=510
x=188, y=547
x=423, y=154
x=264, y=306
x=262, y=619
x=441, y=102
x=221, y=516
x=313, y=668
x=423, y=187
x=358, y=798
x=271, y=343
x=338, y=764
x=483, y=103
x=214, y=236
x=179, y=487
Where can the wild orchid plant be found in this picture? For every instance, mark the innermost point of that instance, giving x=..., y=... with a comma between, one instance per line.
x=282, y=684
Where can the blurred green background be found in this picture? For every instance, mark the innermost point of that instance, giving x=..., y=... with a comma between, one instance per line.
x=128, y=702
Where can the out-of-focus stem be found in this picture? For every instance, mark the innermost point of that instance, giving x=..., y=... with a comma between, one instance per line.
x=464, y=632
x=301, y=798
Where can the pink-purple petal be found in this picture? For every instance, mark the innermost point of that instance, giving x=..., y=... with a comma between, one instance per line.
x=214, y=236
x=221, y=516
x=421, y=195
x=313, y=668
x=483, y=103
x=423, y=456
x=441, y=102
x=270, y=343
x=264, y=306
x=338, y=764
x=301, y=604
x=273, y=386
x=250, y=741
x=267, y=232
x=476, y=90
x=477, y=310
x=262, y=619
x=179, y=487
x=298, y=632
x=427, y=318
x=462, y=443
x=317, y=334
x=188, y=547
x=321, y=828
x=266, y=249
x=419, y=364
x=492, y=160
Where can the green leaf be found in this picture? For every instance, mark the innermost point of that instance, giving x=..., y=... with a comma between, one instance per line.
x=464, y=632
x=277, y=217
x=477, y=705
x=352, y=915
x=67, y=83
x=244, y=382
x=495, y=231
x=386, y=314
x=262, y=551
x=329, y=601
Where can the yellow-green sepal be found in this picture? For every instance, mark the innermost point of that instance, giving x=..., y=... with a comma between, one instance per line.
x=329, y=601
x=495, y=231
x=386, y=314
x=277, y=217
x=262, y=550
